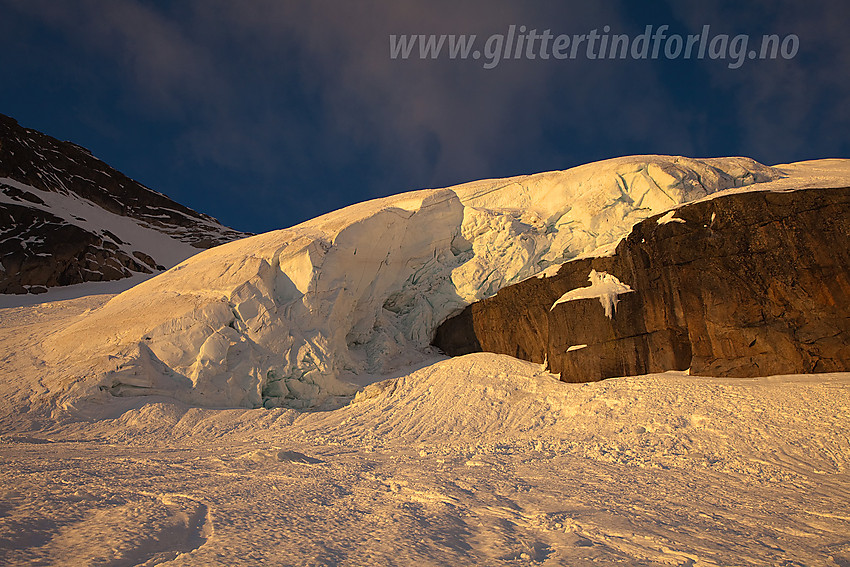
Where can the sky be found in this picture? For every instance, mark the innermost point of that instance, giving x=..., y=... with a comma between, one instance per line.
x=267, y=113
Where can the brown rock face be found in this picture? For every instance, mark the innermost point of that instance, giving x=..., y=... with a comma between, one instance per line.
x=750, y=284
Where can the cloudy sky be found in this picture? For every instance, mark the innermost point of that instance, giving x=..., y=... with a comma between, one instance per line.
x=267, y=113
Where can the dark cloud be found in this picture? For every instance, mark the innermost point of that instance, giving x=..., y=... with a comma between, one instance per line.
x=266, y=112
x=786, y=109
x=162, y=66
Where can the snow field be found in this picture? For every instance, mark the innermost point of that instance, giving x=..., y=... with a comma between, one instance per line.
x=480, y=459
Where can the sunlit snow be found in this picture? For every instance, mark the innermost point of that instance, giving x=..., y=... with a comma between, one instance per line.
x=668, y=218
x=603, y=286
x=405, y=457
x=279, y=318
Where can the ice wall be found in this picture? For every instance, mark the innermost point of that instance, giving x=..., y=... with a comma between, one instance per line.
x=276, y=319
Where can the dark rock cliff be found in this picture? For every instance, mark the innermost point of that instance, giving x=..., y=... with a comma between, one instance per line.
x=746, y=284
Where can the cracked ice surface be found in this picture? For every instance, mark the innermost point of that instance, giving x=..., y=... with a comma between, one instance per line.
x=279, y=318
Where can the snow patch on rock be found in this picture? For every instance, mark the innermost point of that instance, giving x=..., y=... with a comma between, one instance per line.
x=603, y=286
x=668, y=218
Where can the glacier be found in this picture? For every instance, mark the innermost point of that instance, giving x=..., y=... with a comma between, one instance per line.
x=286, y=318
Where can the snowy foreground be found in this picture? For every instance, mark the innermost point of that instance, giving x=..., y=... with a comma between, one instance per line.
x=481, y=459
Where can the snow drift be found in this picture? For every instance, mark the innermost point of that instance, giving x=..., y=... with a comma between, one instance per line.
x=279, y=318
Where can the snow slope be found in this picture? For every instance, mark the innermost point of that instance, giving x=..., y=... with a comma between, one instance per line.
x=132, y=234
x=278, y=318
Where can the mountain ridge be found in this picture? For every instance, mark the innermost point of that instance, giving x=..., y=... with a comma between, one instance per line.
x=70, y=218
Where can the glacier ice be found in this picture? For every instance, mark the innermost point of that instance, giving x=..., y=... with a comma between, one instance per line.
x=277, y=319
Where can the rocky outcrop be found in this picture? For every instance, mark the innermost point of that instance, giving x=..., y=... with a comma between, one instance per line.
x=745, y=284
x=59, y=205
